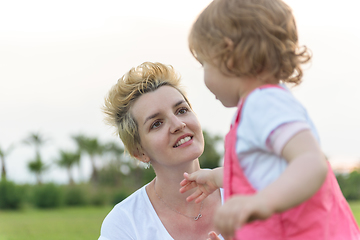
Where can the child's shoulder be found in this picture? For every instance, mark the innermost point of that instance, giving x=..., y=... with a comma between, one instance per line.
x=271, y=97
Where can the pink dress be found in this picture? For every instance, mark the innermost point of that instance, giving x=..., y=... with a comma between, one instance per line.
x=325, y=216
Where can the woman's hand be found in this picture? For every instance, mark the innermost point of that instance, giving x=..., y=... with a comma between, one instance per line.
x=206, y=181
x=239, y=210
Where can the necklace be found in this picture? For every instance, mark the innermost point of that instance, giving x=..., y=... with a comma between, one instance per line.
x=195, y=218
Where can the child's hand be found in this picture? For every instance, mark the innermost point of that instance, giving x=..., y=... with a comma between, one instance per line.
x=213, y=236
x=238, y=211
x=205, y=182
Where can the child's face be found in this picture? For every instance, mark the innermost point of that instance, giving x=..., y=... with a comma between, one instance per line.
x=227, y=89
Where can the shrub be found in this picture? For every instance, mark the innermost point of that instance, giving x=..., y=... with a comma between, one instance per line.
x=350, y=185
x=10, y=195
x=47, y=196
x=99, y=199
x=75, y=196
x=119, y=196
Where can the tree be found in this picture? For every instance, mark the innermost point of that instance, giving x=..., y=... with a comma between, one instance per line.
x=36, y=140
x=211, y=156
x=38, y=167
x=3, y=154
x=67, y=160
x=91, y=147
x=115, y=150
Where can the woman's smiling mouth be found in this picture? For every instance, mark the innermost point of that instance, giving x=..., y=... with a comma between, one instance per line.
x=182, y=141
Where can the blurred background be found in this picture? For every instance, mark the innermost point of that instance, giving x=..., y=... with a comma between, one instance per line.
x=58, y=59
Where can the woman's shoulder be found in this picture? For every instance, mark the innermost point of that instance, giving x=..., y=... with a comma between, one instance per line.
x=136, y=200
x=134, y=218
x=124, y=216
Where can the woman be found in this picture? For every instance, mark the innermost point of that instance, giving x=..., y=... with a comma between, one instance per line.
x=156, y=123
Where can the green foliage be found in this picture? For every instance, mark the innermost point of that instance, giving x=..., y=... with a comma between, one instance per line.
x=76, y=196
x=3, y=154
x=92, y=147
x=11, y=196
x=110, y=175
x=47, y=196
x=68, y=160
x=119, y=196
x=37, y=166
x=350, y=185
x=211, y=157
x=100, y=198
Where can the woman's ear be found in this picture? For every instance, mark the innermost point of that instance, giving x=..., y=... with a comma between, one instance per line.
x=141, y=156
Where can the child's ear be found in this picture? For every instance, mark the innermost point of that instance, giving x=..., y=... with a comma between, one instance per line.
x=229, y=43
x=230, y=47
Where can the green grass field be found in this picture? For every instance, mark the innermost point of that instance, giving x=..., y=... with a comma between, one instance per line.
x=355, y=207
x=66, y=223
x=59, y=224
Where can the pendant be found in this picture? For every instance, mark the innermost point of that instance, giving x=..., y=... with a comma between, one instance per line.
x=197, y=217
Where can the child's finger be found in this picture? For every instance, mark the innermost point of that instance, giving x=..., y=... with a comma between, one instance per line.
x=191, y=177
x=213, y=236
x=201, y=198
x=184, y=182
x=188, y=187
x=196, y=195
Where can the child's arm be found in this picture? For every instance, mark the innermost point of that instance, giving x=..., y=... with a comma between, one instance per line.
x=304, y=175
x=205, y=180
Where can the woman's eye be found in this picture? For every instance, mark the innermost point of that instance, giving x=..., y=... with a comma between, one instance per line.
x=155, y=125
x=183, y=110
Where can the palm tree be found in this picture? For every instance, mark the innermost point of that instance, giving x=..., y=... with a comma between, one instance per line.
x=38, y=167
x=91, y=147
x=67, y=160
x=3, y=155
x=115, y=150
x=37, y=140
x=114, y=169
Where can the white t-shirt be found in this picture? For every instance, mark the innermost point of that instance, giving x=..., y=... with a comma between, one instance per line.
x=135, y=218
x=265, y=112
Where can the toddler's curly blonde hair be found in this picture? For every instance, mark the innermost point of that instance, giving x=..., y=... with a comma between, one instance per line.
x=256, y=36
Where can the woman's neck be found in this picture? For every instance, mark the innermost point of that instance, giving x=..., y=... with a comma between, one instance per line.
x=167, y=181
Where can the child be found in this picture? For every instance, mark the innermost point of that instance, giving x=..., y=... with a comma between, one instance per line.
x=278, y=184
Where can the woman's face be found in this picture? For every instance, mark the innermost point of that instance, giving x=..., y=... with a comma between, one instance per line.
x=170, y=132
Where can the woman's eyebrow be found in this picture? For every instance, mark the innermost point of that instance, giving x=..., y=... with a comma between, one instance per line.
x=179, y=103
x=156, y=114
x=151, y=117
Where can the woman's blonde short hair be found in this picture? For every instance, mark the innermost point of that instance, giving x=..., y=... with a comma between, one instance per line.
x=256, y=36
x=140, y=80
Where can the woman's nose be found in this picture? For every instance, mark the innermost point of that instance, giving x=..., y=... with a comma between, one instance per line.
x=177, y=125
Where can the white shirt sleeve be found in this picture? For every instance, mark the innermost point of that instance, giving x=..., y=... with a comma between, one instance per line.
x=281, y=135
x=264, y=111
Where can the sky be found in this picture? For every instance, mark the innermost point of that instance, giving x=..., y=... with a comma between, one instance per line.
x=58, y=59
